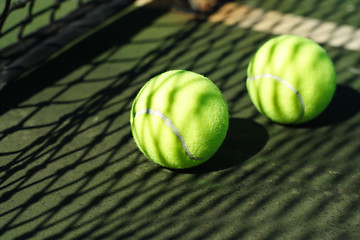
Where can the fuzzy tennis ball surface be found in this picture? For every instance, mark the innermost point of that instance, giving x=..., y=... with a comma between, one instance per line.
x=291, y=79
x=179, y=119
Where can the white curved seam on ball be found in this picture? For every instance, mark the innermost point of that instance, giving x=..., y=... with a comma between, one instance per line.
x=287, y=84
x=170, y=124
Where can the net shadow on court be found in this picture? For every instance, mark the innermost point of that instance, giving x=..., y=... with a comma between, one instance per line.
x=70, y=169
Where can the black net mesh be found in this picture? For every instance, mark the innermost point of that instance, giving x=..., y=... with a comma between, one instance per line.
x=33, y=30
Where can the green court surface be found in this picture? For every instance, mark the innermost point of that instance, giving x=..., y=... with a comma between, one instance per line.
x=69, y=167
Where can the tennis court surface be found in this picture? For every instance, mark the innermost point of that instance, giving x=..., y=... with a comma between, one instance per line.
x=70, y=169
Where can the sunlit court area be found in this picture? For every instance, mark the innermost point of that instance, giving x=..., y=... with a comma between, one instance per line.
x=89, y=149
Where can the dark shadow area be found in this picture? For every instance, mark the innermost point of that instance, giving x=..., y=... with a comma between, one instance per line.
x=25, y=43
x=115, y=34
x=47, y=40
x=344, y=105
x=245, y=138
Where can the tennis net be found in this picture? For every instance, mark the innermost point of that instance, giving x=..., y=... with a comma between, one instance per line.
x=31, y=31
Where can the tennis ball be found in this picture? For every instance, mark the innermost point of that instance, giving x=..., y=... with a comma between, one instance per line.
x=291, y=79
x=179, y=119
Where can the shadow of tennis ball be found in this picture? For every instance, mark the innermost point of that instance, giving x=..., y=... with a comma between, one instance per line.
x=244, y=139
x=344, y=105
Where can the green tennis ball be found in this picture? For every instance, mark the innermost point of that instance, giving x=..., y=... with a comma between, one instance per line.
x=291, y=79
x=179, y=119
